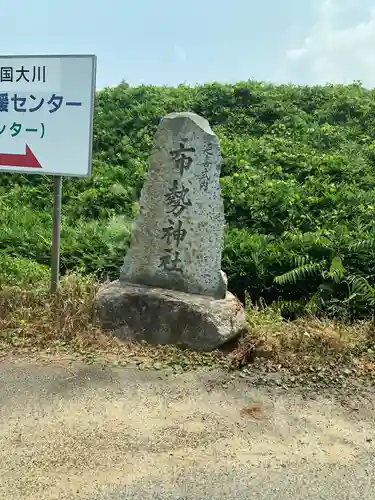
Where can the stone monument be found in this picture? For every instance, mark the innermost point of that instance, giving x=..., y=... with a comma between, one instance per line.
x=171, y=288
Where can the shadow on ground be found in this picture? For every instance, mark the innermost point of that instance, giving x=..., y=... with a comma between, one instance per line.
x=71, y=431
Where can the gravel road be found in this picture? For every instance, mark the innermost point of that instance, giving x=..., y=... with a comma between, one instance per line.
x=73, y=431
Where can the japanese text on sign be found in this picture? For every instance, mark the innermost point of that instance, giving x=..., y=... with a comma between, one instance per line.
x=32, y=74
x=46, y=114
x=31, y=104
x=16, y=128
x=204, y=177
x=181, y=159
x=177, y=200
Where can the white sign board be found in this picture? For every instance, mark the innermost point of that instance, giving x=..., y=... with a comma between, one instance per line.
x=46, y=114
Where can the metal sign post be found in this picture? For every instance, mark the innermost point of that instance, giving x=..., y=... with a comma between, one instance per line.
x=56, y=224
x=47, y=124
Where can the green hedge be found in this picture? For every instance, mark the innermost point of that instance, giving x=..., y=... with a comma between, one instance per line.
x=298, y=182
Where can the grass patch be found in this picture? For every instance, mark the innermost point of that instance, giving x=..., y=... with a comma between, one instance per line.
x=31, y=320
x=305, y=343
x=20, y=271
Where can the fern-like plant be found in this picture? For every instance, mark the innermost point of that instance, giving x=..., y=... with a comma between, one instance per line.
x=339, y=293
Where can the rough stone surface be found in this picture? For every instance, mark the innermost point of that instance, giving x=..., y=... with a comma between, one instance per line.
x=178, y=234
x=162, y=316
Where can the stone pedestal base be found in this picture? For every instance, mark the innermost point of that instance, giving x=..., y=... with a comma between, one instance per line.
x=162, y=316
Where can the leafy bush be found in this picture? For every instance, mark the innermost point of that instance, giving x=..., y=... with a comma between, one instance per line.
x=86, y=245
x=21, y=272
x=298, y=183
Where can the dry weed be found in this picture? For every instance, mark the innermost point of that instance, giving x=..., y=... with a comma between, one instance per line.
x=32, y=319
x=303, y=342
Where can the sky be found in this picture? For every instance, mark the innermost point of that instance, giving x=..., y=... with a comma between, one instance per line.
x=165, y=42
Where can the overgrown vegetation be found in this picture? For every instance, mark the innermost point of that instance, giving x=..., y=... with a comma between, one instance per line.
x=31, y=320
x=298, y=181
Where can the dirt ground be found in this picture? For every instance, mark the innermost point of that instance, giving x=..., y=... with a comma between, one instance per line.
x=74, y=431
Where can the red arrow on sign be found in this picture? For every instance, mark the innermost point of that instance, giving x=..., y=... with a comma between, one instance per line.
x=27, y=160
